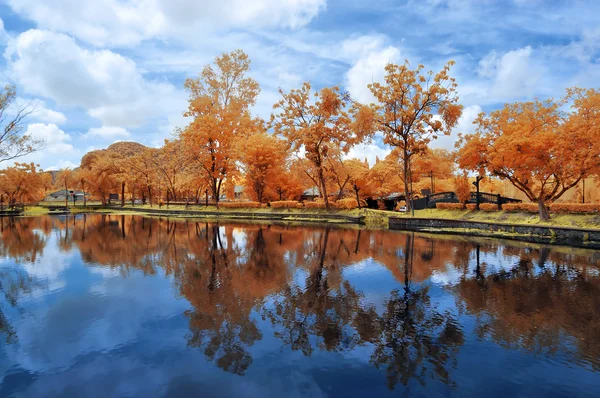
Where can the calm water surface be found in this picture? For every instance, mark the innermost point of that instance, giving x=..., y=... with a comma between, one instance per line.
x=99, y=305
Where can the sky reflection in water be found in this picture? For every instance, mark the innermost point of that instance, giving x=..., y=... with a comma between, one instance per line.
x=99, y=305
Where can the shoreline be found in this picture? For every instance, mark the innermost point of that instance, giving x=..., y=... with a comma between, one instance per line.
x=542, y=234
x=504, y=225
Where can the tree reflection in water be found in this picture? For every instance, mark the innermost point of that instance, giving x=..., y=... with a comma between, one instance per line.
x=538, y=305
x=232, y=275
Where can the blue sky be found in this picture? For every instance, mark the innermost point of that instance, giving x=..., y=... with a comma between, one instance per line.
x=99, y=71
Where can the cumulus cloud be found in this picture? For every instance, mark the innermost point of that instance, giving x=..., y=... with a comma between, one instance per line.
x=371, y=57
x=59, y=151
x=108, y=132
x=128, y=22
x=465, y=126
x=40, y=111
x=57, y=141
x=369, y=151
x=108, y=85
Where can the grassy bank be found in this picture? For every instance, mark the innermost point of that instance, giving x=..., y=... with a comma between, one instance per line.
x=372, y=218
x=587, y=221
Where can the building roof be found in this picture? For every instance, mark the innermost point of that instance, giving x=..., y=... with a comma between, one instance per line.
x=314, y=191
x=64, y=192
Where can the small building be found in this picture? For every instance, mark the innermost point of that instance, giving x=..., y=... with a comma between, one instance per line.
x=310, y=194
x=63, y=194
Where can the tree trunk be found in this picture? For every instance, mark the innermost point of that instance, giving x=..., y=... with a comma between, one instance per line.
x=323, y=187
x=150, y=195
x=543, y=210
x=356, y=189
x=84, y=195
x=406, y=190
x=122, y=194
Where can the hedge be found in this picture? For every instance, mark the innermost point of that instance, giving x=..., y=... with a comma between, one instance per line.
x=575, y=207
x=240, y=205
x=284, y=204
x=471, y=206
x=346, y=204
x=527, y=207
x=314, y=205
x=488, y=207
x=450, y=206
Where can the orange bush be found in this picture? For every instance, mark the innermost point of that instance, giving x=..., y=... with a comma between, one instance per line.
x=450, y=206
x=346, y=204
x=527, y=207
x=284, y=204
x=314, y=205
x=471, y=206
x=240, y=205
x=575, y=207
x=488, y=206
x=299, y=205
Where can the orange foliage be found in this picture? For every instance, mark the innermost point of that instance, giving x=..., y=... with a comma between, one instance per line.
x=462, y=188
x=241, y=205
x=575, y=207
x=318, y=126
x=450, y=206
x=285, y=204
x=219, y=103
x=346, y=204
x=541, y=150
x=412, y=108
x=314, y=205
x=488, y=206
x=526, y=207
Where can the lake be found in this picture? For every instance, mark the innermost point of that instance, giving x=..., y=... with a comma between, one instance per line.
x=108, y=305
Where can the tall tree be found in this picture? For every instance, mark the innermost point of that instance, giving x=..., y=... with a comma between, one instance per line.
x=412, y=108
x=318, y=126
x=219, y=103
x=13, y=142
x=358, y=173
x=263, y=159
x=540, y=149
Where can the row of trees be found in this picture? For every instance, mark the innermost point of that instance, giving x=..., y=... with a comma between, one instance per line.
x=541, y=148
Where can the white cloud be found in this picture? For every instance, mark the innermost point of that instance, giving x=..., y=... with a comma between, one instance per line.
x=107, y=85
x=512, y=75
x=369, y=151
x=59, y=150
x=41, y=112
x=62, y=164
x=108, y=132
x=3, y=34
x=465, y=126
x=368, y=67
x=128, y=22
x=57, y=141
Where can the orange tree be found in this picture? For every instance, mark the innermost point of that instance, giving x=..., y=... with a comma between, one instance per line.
x=541, y=150
x=219, y=103
x=358, y=177
x=21, y=183
x=412, y=108
x=319, y=126
x=263, y=159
